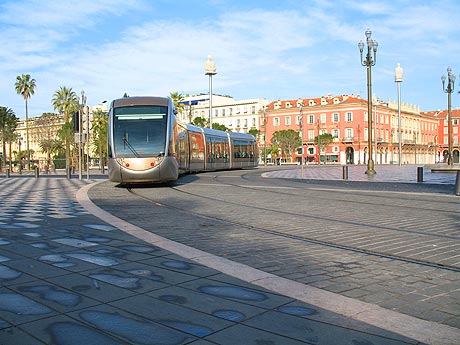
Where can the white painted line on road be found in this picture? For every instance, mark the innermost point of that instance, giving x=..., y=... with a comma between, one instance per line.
x=408, y=326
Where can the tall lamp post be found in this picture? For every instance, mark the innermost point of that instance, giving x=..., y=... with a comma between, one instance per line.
x=264, y=119
x=83, y=101
x=301, y=137
x=449, y=90
x=369, y=61
x=398, y=81
x=210, y=70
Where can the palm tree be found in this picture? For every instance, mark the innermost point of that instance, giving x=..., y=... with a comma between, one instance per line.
x=25, y=86
x=177, y=99
x=65, y=101
x=8, y=123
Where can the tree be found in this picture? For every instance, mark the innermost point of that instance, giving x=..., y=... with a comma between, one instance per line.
x=287, y=141
x=25, y=86
x=323, y=141
x=65, y=101
x=177, y=98
x=220, y=127
x=47, y=131
x=8, y=123
x=100, y=130
x=200, y=122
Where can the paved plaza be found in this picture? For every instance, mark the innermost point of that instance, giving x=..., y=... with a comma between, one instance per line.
x=71, y=276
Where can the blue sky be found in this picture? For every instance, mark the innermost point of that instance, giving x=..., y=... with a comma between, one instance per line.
x=262, y=49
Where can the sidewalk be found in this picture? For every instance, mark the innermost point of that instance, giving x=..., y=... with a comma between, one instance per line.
x=69, y=277
x=384, y=173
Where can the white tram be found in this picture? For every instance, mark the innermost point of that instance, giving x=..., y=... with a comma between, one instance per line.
x=148, y=144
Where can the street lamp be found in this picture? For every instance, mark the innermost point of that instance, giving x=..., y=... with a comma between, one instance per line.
x=369, y=62
x=449, y=90
x=210, y=70
x=264, y=119
x=83, y=101
x=398, y=81
x=301, y=137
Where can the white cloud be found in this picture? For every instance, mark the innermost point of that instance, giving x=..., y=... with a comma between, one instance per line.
x=306, y=49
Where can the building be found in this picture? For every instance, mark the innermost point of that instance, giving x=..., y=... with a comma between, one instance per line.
x=345, y=118
x=238, y=116
x=442, y=142
x=40, y=130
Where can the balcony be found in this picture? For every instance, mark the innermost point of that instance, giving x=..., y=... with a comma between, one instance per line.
x=348, y=140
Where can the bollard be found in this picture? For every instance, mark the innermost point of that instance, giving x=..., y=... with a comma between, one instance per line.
x=419, y=174
x=37, y=174
x=7, y=174
x=457, y=184
x=69, y=173
x=345, y=172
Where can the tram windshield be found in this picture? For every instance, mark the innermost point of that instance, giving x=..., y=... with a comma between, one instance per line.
x=140, y=131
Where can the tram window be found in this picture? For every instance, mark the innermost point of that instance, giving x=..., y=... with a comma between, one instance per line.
x=140, y=131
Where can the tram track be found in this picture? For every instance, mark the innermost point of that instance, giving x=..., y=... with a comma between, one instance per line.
x=293, y=234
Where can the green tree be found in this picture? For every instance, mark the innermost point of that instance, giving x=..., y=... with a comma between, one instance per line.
x=220, y=127
x=8, y=123
x=25, y=86
x=287, y=141
x=200, y=122
x=323, y=141
x=65, y=101
x=177, y=98
x=100, y=130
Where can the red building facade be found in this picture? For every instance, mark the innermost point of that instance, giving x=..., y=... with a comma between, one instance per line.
x=345, y=118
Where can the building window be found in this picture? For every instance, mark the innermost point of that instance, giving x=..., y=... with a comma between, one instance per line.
x=366, y=118
x=349, y=132
x=245, y=123
x=322, y=118
x=276, y=121
x=253, y=122
x=298, y=119
x=287, y=120
x=311, y=134
x=238, y=123
x=253, y=109
x=349, y=117
x=335, y=117
x=335, y=133
x=223, y=112
x=311, y=119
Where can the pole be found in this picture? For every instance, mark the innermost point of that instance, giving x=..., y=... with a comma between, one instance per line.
x=370, y=163
x=87, y=142
x=210, y=100
x=79, y=144
x=399, y=125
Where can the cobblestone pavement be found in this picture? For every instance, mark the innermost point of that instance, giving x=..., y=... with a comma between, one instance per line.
x=67, y=277
x=420, y=211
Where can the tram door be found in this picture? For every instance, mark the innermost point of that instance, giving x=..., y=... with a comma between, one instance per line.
x=182, y=151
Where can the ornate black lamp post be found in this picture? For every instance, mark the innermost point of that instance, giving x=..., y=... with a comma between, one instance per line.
x=369, y=61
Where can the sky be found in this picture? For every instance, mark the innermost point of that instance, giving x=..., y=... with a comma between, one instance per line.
x=262, y=49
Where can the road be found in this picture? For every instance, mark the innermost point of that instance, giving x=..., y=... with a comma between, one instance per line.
x=393, y=245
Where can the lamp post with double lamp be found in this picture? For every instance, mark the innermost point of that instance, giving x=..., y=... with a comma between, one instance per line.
x=398, y=81
x=449, y=90
x=210, y=70
x=369, y=61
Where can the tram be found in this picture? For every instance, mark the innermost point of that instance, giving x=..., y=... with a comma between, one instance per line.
x=146, y=143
